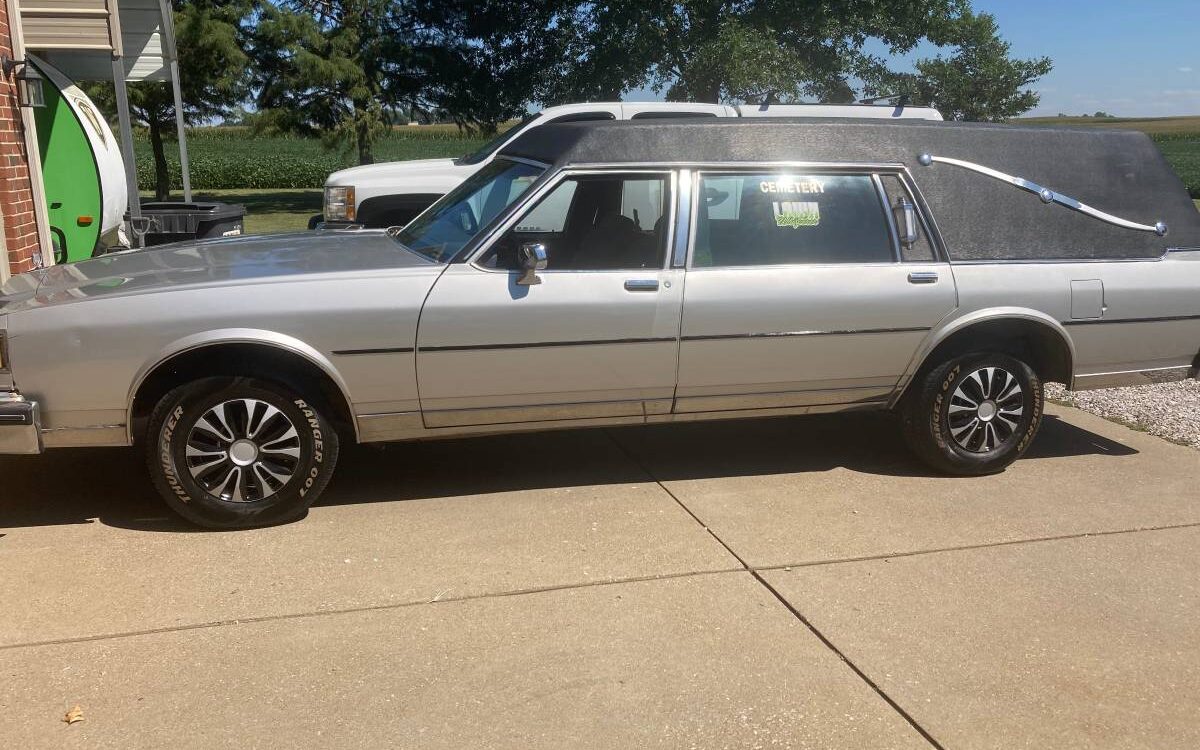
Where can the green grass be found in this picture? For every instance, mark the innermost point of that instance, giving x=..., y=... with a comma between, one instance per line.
x=267, y=211
x=233, y=158
x=1155, y=126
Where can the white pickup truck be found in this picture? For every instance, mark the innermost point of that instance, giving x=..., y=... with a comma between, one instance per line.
x=392, y=193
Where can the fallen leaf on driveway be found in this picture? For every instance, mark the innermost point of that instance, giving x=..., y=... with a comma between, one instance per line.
x=74, y=715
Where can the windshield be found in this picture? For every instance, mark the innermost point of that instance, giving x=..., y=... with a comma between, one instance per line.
x=493, y=145
x=448, y=225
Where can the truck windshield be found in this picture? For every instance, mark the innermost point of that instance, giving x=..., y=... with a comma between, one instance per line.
x=494, y=144
x=448, y=225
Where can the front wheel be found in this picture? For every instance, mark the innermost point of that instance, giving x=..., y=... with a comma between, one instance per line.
x=237, y=453
x=974, y=414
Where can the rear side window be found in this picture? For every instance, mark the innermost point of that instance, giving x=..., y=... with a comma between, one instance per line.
x=920, y=251
x=758, y=219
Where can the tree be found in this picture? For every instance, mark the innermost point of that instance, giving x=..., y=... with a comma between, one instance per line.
x=737, y=50
x=343, y=68
x=212, y=74
x=979, y=81
x=332, y=68
x=485, y=60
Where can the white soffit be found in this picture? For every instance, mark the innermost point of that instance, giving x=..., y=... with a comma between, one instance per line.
x=140, y=23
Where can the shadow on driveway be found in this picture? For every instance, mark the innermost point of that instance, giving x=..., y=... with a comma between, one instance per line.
x=77, y=486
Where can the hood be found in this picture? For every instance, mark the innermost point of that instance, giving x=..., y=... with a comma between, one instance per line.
x=389, y=171
x=236, y=260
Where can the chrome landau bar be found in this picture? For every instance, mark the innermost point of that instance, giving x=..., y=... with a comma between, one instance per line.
x=1046, y=194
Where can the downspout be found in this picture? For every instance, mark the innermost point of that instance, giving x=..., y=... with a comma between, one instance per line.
x=121, y=94
x=5, y=274
x=33, y=151
x=167, y=36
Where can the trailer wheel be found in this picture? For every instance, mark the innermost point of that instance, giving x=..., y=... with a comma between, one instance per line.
x=238, y=453
x=974, y=414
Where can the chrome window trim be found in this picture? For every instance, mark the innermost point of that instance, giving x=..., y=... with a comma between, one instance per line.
x=741, y=166
x=872, y=264
x=693, y=226
x=893, y=232
x=526, y=202
x=673, y=216
x=530, y=162
x=681, y=221
x=871, y=170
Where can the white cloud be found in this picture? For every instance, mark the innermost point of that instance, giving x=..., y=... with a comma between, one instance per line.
x=1185, y=69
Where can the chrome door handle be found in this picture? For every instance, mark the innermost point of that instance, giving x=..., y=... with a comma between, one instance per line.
x=641, y=285
x=923, y=277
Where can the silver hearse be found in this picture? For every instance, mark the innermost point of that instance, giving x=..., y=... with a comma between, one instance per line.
x=631, y=273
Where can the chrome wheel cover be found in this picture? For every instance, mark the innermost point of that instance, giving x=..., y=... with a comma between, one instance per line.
x=243, y=450
x=986, y=409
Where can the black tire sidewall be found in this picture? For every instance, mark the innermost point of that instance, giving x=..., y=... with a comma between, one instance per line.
x=182, y=408
x=940, y=386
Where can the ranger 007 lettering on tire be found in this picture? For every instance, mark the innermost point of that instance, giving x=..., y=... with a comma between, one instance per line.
x=974, y=414
x=236, y=452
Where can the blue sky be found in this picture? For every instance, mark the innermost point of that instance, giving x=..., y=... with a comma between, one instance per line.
x=1124, y=57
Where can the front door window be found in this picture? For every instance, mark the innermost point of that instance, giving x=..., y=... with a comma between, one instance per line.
x=592, y=223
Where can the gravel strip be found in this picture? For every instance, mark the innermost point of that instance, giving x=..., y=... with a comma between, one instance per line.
x=1168, y=410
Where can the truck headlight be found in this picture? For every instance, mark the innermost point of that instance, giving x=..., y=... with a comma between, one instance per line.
x=339, y=203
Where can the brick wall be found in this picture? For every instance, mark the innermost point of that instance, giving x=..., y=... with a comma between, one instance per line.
x=16, y=192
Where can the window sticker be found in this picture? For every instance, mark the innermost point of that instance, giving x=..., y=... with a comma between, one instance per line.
x=796, y=214
x=786, y=185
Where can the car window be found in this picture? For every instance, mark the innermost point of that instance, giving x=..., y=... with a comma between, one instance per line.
x=781, y=218
x=920, y=251
x=450, y=223
x=593, y=222
x=584, y=117
x=549, y=215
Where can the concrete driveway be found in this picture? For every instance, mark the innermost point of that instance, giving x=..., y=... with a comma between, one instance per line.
x=776, y=583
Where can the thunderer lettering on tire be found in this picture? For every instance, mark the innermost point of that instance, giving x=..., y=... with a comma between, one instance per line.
x=237, y=452
x=974, y=414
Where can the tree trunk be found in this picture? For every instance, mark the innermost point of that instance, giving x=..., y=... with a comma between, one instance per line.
x=362, y=139
x=162, y=174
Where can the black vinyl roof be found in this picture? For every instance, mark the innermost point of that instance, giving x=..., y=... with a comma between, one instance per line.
x=1119, y=172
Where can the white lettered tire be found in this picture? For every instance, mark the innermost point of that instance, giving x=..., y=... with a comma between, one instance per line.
x=975, y=414
x=238, y=452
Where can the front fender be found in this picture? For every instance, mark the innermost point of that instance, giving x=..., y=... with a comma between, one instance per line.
x=229, y=336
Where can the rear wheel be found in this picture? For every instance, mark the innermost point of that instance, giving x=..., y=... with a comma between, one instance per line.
x=237, y=453
x=974, y=414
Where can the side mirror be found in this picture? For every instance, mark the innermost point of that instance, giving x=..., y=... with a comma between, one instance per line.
x=532, y=256
x=906, y=221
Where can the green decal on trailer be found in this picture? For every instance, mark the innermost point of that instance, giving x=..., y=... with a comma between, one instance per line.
x=78, y=152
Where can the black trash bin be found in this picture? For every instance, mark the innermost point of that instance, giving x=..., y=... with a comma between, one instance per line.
x=168, y=221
